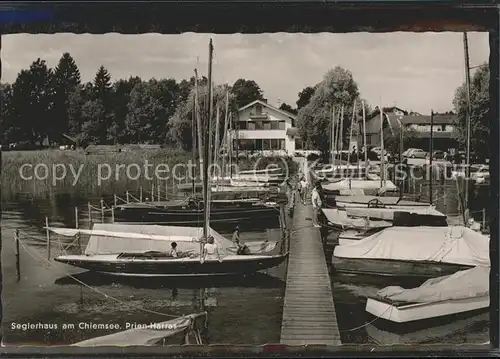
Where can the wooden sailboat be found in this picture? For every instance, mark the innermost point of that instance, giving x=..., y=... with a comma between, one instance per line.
x=144, y=250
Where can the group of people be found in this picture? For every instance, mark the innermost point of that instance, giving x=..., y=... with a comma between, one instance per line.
x=316, y=197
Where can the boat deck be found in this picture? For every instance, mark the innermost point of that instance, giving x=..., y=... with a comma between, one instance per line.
x=309, y=313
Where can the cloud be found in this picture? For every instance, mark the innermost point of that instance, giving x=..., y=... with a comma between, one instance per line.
x=418, y=71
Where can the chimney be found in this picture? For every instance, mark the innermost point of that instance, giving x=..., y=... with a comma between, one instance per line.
x=264, y=100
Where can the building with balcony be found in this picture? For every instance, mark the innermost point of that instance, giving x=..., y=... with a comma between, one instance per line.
x=263, y=127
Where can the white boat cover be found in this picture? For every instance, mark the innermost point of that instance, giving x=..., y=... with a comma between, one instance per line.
x=457, y=245
x=470, y=283
x=341, y=218
x=388, y=213
x=147, y=335
x=359, y=184
x=112, y=238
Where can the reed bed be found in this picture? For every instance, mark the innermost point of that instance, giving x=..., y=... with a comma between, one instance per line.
x=53, y=172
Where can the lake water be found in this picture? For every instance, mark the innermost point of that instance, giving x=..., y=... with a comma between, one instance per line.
x=241, y=310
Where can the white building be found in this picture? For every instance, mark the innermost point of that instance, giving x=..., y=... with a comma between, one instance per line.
x=262, y=127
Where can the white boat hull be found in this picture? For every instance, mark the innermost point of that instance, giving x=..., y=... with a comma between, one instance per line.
x=421, y=311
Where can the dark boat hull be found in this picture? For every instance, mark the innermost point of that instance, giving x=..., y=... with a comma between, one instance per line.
x=394, y=268
x=246, y=217
x=157, y=268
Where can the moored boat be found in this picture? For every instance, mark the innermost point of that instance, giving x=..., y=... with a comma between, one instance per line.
x=420, y=253
x=143, y=251
x=461, y=292
x=186, y=328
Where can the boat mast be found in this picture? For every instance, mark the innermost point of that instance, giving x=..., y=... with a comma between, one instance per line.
x=364, y=135
x=206, y=152
x=198, y=118
x=225, y=135
x=193, y=140
x=350, y=133
x=431, y=145
x=341, y=130
x=332, y=137
x=382, y=153
x=467, y=119
x=216, y=148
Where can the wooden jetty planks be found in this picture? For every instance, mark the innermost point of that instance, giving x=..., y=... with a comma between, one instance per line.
x=308, y=314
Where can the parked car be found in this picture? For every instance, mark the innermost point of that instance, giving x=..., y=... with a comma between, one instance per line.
x=481, y=175
x=408, y=152
x=417, y=153
x=437, y=155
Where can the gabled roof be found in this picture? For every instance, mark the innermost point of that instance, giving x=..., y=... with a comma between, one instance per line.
x=426, y=120
x=265, y=104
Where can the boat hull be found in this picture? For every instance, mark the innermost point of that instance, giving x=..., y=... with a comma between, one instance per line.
x=172, y=267
x=250, y=216
x=394, y=268
x=412, y=312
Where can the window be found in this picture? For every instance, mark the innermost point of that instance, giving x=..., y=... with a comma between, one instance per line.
x=266, y=125
x=281, y=125
x=258, y=145
x=443, y=127
x=282, y=144
x=246, y=145
x=258, y=109
x=258, y=125
x=251, y=125
x=274, y=125
x=298, y=144
x=266, y=144
x=243, y=125
x=274, y=144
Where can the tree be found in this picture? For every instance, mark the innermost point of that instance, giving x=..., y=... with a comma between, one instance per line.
x=122, y=90
x=286, y=107
x=392, y=143
x=33, y=103
x=479, y=118
x=305, y=96
x=337, y=89
x=101, y=97
x=8, y=128
x=245, y=92
x=66, y=82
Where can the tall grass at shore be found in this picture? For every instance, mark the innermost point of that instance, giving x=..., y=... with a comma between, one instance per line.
x=16, y=164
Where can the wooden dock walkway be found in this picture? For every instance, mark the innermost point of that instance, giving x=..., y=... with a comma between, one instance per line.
x=309, y=314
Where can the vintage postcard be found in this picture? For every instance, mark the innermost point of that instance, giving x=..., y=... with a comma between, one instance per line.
x=245, y=189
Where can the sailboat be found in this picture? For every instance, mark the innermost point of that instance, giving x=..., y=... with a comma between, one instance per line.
x=143, y=250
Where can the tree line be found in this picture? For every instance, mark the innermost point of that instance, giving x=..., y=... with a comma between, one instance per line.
x=43, y=103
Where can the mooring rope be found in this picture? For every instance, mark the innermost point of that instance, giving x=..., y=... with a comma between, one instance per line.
x=90, y=287
x=370, y=322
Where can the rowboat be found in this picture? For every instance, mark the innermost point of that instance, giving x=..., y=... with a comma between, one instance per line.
x=142, y=251
x=461, y=292
x=378, y=202
x=420, y=253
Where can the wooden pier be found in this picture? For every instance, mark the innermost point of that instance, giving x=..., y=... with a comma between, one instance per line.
x=309, y=313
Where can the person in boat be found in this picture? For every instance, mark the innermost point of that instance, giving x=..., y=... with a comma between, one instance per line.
x=173, y=250
x=211, y=250
x=242, y=247
x=316, y=202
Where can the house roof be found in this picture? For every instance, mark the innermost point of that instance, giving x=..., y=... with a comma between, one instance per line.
x=292, y=131
x=265, y=104
x=426, y=120
x=435, y=134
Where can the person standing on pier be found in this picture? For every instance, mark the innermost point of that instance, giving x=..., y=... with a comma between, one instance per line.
x=303, y=190
x=316, y=203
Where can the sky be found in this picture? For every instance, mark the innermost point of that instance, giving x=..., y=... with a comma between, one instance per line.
x=414, y=71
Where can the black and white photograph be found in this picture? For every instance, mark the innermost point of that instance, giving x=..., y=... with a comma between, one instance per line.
x=245, y=189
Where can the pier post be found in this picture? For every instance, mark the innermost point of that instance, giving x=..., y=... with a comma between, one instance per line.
x=484, y=218
x=128, y=197
x=153, y=192
x=90, y=214
x=166, y=190
x=48, y=236
x=140, y=194
x=18, y=258
x=159, y=192
x=112, y=214
x=114, y=199
x=78, y=238
x=102, y=210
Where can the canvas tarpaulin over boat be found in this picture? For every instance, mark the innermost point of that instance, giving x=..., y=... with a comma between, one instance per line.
x=456, y=245
x=388, y=213
x=341, y=218
x=359, y=184
x=468, y=283
x=107, y=238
